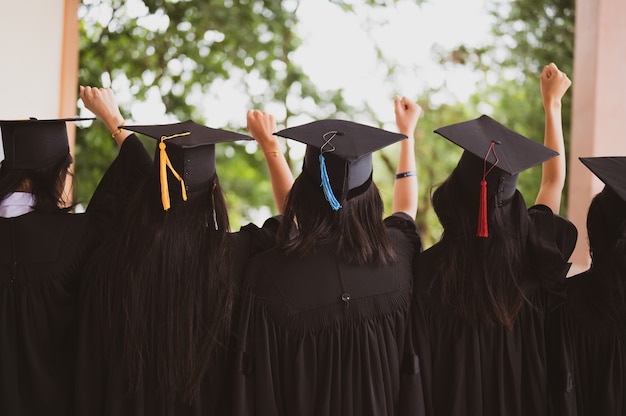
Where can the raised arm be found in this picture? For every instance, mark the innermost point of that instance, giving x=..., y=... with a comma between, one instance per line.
x=554, y=84
x=102, y=102
x=261, y=126
x=405, y=185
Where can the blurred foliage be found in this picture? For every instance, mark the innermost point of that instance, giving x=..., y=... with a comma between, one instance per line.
x=528, y=34
x=180, y=49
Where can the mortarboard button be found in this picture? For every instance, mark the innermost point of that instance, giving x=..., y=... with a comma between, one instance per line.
x=339, y=152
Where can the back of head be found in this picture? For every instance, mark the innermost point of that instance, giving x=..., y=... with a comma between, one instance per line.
x=37, y=160
x=334, y=199
x=357, y=229
x=166, y=287
x=482, y=278
x=606, y=228
x=606, y=221
x=484, y=273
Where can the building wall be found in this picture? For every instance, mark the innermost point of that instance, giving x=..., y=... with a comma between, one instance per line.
x=599, y=105
x=39, y=44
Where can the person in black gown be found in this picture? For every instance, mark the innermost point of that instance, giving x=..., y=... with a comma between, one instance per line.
x=592, y=320
x=42, y=251
x=482, y=293
x=323, y=318
x=159, y=294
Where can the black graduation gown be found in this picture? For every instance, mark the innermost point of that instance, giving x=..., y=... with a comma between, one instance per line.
x=320, y=337
x=41, y=257
x=596, y=356
x=475, y=370
x=102, y=389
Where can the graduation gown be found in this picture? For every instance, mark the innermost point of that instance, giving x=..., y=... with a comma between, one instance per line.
x=596, y=355
x=41, y=259
x=102, y=388
x=471, y=369
x=318, y=336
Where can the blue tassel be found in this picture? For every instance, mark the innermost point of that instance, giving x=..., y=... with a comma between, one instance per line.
x=328, y=191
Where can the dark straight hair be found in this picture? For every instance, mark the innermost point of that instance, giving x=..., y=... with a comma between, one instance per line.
x=606, y=229
x=165, y=290
x=357, y=228
x=482, y=279
x=46, y=184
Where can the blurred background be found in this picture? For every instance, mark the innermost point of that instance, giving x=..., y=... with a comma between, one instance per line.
x=211, y=61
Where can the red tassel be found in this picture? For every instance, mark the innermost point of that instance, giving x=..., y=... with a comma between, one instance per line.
x=483, y=230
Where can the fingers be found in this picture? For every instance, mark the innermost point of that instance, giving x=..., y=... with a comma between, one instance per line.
x=404, y=106
x=551, y=71
x=261, y=126
x=259, y=118
x=397, y=104
x=91, y=95
x=554, y=84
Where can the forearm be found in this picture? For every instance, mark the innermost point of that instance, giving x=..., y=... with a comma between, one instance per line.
x=554, y=170
x=405, y=188
x=280, y=177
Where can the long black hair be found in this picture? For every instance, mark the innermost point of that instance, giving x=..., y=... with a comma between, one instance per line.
x=46, y=184
x=357, y=228
x=165, y=290
x=482, y=279
x=606, y=229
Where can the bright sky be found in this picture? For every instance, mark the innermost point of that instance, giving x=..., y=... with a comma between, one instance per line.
x=338, y=52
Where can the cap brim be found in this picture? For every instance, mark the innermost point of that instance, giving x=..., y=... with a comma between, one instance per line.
x=513, y=152
x=350, y=141
x=611, y=170
x=192, y=133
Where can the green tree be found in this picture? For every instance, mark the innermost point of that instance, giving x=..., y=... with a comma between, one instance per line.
x=182, y=51
x=528, y=34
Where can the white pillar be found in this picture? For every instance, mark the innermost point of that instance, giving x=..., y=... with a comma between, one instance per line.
x=599, y=105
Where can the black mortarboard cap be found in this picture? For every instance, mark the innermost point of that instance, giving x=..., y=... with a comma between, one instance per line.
x=493, y=157
x=339, y=154
x=33, y=144
x=187, y=150
x=609, y=169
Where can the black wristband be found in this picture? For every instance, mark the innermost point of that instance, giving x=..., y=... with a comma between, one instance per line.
x=405, y=174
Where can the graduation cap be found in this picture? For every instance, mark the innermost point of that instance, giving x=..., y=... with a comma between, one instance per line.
x=611, y=170
x=33, y=144
x=187, y=150
x=339, y=154
x=493, y=157
x=606, y=224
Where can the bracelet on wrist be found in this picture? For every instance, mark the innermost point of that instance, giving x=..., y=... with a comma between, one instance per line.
x=405, y=174
x=119, y=130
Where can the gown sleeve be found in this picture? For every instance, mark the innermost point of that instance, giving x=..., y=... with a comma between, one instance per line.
x=119, y=183
x=411, y=396
x=407, y=226
x=552, y=239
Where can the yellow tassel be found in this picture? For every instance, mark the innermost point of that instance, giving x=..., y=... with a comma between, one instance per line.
x=164, y=161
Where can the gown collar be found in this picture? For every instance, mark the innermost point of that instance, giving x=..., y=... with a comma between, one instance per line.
x=16, y=204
